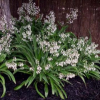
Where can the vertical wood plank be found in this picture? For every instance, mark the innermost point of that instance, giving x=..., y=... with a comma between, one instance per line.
x=88, y=15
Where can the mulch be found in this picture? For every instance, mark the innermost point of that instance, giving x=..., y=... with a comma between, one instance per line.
x=76, y=91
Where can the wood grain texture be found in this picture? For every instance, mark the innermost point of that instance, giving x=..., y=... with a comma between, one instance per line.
x=88, y=15
x=5, y=10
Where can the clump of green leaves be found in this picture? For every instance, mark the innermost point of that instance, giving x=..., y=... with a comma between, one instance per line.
x=4, y=71
x=48, y=54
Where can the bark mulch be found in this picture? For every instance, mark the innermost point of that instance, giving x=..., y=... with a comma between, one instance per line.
x=77, y=91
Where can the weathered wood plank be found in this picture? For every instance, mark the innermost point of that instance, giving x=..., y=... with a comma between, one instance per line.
x=5, y=10
x=88, y=15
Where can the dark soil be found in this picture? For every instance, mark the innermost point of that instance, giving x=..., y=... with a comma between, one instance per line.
x=77, y=91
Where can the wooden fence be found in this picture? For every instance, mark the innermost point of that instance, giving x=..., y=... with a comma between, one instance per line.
x=88, y=14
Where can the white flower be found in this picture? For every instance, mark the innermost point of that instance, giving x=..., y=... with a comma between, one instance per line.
x=28, y=33
x=29, y=27
x=21, y=64
x=49, y=58
x=29, y=9
x=38, y=69
x=37, y=61
x=29, y=19
x=14, y=58
x=57, y=54
x=86, y=38
x=57, y=63
x=47, y=67
x=72, y=16
x=73, y=64
x=68, y=61
x=50, y=19
x=24, y=35
x=31, y=69
x=61, y=76
x=61, y=64
x=89, y=67
x=70, y=75
x=5, y=43
x=96, y=56
x=12, y=65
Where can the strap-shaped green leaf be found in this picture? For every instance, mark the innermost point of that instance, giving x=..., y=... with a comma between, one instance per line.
x=35, y=83
x=46, y=90
x=20, y=86
x=3, y=84
x=2, y=57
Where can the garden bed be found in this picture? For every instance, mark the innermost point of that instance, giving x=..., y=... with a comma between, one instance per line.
x=77, y=91
x=45, y=52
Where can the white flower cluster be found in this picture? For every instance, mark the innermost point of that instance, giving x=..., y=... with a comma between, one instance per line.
x=14, y=64
x=89, y=67
x=47, y=67
x=91, y=49
x=31, y=69
x=11, y=65
x=21, y=64
x=72, y=56
x=37, y=61
x=39, y=68
x=27, y=34
x=29, y=19
x=80, y=44
x=12, y=28
x=3, y=23
x=29, y=9
x=63, y=36
x=72, y=16
x=49, y=58
x=7, y=26
x=54, y=47
x=88, y=49
x=51, y=47
x=50, y=19
x=5, y=43
x=68, y=76
x=61, y=76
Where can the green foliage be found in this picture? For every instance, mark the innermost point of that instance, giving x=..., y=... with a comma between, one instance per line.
x=4, y=70
x=46, y=53
x=30, y=52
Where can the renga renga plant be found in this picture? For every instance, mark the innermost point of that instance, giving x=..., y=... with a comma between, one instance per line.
x=34, y=45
